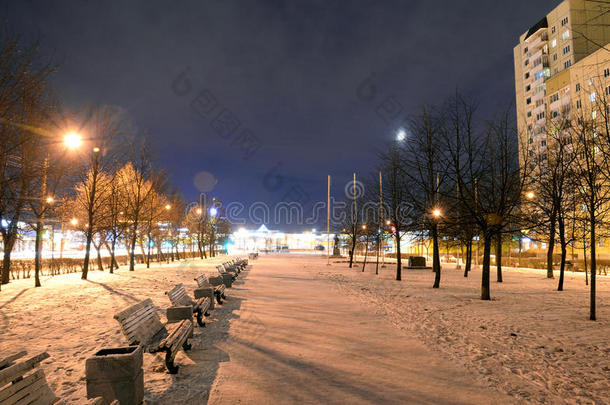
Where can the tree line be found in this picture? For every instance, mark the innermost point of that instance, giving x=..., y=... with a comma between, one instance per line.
x=467, y=178
x=88, y=171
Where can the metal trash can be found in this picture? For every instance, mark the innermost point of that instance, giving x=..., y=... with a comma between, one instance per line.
x=116, y=373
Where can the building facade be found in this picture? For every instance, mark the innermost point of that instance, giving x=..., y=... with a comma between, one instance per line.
x=548, y=53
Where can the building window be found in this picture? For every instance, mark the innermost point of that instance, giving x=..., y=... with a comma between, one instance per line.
x=529, y=114
x=592, y=97
x=553, y=29
x=564, y=22
x=606, y=72
x=554, y=97
x=555, y=114
x=527, y=62
x=528, y=101
x=542, y=143
x=527, y=75
x=577, y=87
x=554, y=43
x=567, y=64
x=554, y=58
x=565, y=35
x=594, y=114
x=608, y=91
x=591, y=81
x=578, y=104
x=528, y=87
x=566, y=49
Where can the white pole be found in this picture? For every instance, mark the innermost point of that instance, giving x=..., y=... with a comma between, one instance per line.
x=328, y=223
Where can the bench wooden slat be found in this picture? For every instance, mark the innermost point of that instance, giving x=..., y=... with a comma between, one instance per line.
x=17, y=370
x=10, y=358
x=11, y=392
x=36, y=393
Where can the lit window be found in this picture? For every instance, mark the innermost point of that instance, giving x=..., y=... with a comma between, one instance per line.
x=554, y=43
x=565, y=35
x=594, y=114
x=592, y=97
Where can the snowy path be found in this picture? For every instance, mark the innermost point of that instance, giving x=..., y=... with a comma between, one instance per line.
x=296, y=340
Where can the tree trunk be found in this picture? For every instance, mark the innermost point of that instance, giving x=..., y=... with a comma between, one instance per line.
x=593, y=220
x=38, y=254
x=352, y=251
x=436, y=260
x=100, y=264
x=564, y=251
x=499, y=257
x=6, y=263
x=149, y=249
x=550, y=250
x=485, y=295
x=468, y=263
x=398, y=257
x=366, y=252
x=132, y=251
x=87, y=253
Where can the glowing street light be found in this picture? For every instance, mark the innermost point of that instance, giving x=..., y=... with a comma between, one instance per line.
x=73, y=140
x=74, y=221
x=401, y=135
x=388, y=222
x=168, y=207
x=436, y=213
x=363, y=226
x=530, y=195
x=199, y=211
x=96, y=149
x=50, y=200
x=213, y=211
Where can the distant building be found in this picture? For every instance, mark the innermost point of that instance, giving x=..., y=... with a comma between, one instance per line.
x=264, y=239
x=557, y=43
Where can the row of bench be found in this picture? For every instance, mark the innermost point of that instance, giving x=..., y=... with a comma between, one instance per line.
x=23, y=381
x=142, y=326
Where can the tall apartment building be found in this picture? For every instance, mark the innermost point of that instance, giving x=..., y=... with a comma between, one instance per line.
x=567, y=35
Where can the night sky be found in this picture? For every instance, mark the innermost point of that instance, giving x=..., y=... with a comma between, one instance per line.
x=287, y=77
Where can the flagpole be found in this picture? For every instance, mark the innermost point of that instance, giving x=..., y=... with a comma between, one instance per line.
x=328, y=224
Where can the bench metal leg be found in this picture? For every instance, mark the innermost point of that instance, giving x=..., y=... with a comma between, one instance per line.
x=223, y=295
x=169, y=362
x=200, y=319
x=186, y=346
x=218, y=298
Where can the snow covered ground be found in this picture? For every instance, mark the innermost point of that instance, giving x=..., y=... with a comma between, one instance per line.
x=530, y=341
x=329, y=334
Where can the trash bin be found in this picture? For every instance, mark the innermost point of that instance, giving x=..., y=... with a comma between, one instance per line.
x=116, y=373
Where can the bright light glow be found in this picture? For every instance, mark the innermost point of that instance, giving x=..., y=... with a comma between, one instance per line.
x=96, y=149
x=50, y=200
x=73, y=140
x=530, y=195
x=4, y=223
x=213, y=211
x=401, y=135
x=199, y=211
x=436, y=213
x=168, y=207
x=313, y=230
x=74, y=221
x=388, y=222
x=363, y=226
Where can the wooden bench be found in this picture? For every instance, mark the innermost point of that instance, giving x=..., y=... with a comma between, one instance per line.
x=219, y=290
x=179, y=297
x=24, y=382
x=223, y=270
x=142, y=326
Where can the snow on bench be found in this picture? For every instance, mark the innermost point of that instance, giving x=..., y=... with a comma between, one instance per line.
x=142, y=326
x=179, y=297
